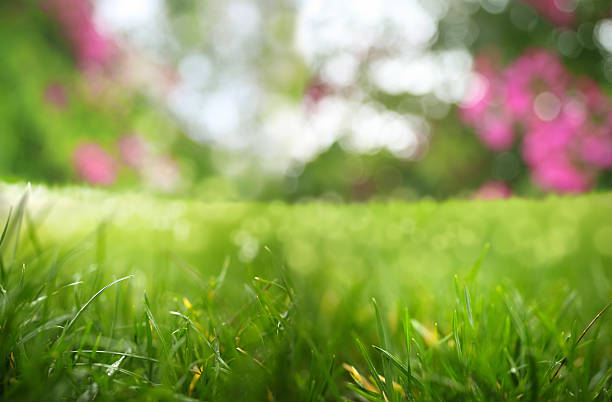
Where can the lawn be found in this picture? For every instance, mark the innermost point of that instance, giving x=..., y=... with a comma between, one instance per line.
x=109, y=295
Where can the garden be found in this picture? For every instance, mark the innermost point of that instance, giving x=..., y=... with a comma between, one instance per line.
x=306, y=200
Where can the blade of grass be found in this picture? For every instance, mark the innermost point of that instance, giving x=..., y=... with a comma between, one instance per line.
x=366, y=356
x=456, y=334
x=468, y=305
x=580, y=338
x=407, y=335
x=6, y=225
x=84, y=307
x=403, y=368
x=384, y=339
x=32, y=233
x=153, y=322
x=112, y=352
x=14, y=227
x=478, y=263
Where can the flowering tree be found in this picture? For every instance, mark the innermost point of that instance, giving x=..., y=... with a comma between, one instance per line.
x=558, y=120
x=563, y=122
x=269, y=100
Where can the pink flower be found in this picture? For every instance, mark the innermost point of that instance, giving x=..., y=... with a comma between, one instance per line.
x=91, y=48
x=535, y=73
x=133, y=150
x=492, y=190
x=549, y=149
x=559, y=12
x=553, y=115
x=497, y=133
x=564, y=154
x=566, y=121
x=574, y=112
x=483, y=107
x=595, y=147
x=93, y=164
x=558, y=173
x=594, y=140
x=547, y=139
x=482, y=90
x=592, y=96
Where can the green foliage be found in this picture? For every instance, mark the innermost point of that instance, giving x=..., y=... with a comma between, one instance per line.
x=37, y=136
x=339, y=174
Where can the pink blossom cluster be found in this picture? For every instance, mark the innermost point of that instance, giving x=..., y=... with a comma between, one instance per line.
x=98, y=167
x=92, y=49
x=493, y=190
x=95, y=165
x=564, y=122
x=559, y=12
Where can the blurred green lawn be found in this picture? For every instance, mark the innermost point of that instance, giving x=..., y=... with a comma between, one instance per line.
x=295, y=292
x=395, y=250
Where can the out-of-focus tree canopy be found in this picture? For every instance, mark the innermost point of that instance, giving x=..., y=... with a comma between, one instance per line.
x=345, y=100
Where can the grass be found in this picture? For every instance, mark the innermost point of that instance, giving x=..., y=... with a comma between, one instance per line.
x=129, y=297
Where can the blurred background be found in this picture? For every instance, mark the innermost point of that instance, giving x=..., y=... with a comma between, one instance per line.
x=342, y=100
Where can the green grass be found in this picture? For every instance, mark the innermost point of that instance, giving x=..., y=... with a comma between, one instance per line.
x=130, y=297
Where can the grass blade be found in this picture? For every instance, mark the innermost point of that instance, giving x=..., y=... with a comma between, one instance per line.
x=384, y=339
x=407, y=335
x=84, y=307
x=6, y=224
x=580, y=338
x=371, y=367
x=151, y=319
